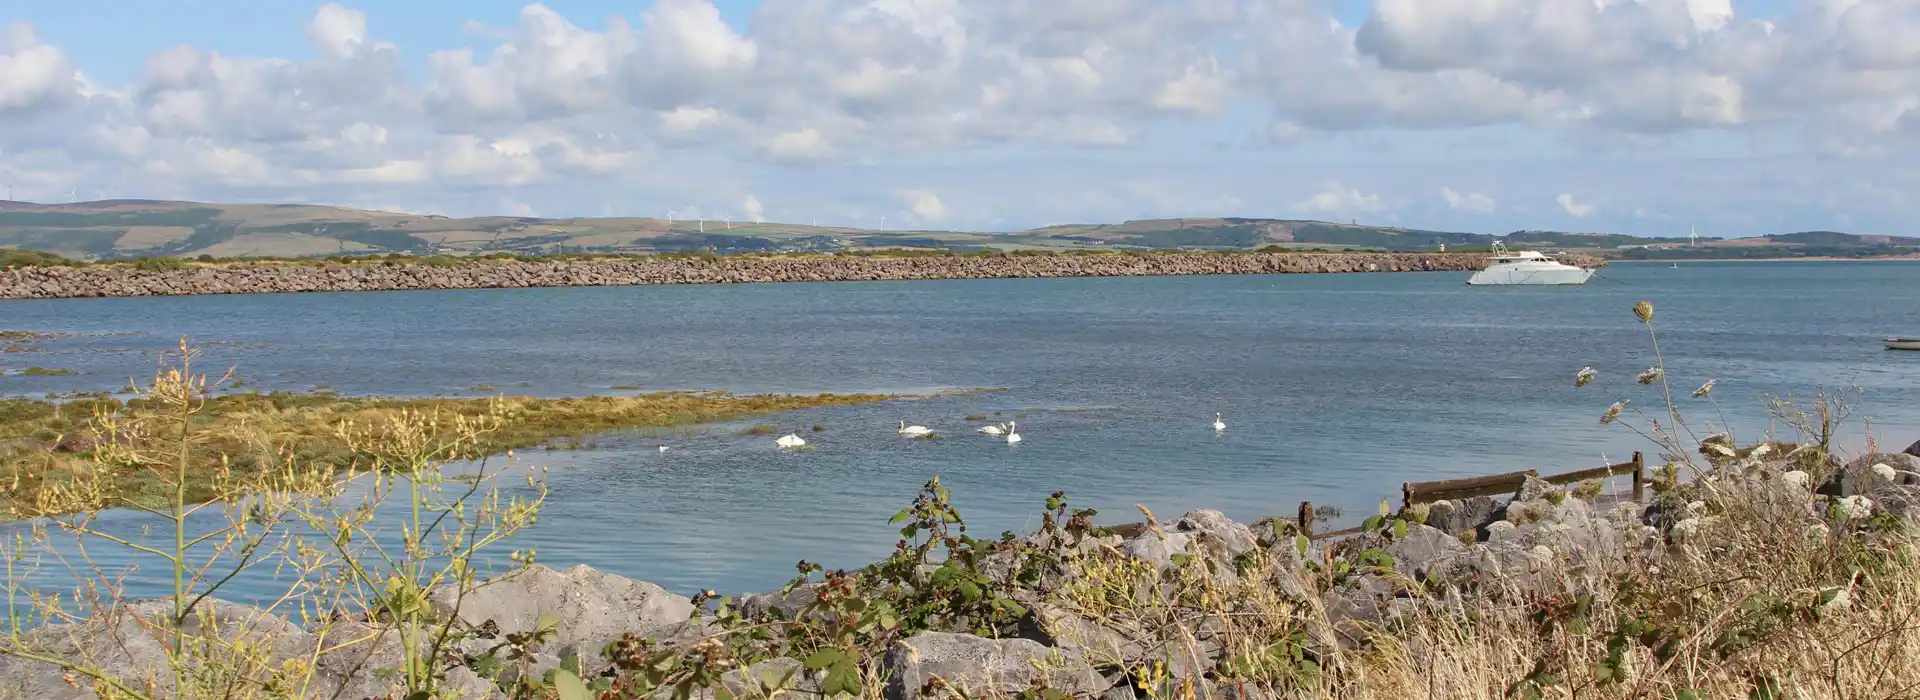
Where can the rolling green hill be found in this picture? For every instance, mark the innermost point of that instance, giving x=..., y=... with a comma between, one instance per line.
x=128, y=228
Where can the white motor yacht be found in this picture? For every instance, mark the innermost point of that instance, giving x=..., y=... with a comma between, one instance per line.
x=1527, y=267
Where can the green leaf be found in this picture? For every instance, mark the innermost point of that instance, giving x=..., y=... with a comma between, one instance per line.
x=1373, y=523
x=822, y=659
x=1399, y=529
x=548, y=621
x=1302, y=542
x=569, y=686
x=1690, y=694
x=898, y=518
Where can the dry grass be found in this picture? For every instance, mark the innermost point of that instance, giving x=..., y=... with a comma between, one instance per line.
x=44, y=443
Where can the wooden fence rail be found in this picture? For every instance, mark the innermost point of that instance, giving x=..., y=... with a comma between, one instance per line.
x=1414, y=493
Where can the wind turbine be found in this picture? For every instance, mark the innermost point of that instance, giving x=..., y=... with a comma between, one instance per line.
x=73, y=196
x=728, y=216
x=1692, y=239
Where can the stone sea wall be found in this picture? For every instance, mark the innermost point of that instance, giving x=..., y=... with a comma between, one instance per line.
x=129, y=281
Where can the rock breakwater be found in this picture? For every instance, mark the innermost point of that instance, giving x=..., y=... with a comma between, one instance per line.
x=111, y=280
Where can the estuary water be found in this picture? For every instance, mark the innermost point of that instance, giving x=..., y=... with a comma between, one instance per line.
x=1335, y=389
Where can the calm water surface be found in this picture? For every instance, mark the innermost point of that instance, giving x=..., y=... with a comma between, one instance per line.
x=1336, y=388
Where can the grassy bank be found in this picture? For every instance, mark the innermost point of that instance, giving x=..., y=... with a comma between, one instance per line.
x=46, y=445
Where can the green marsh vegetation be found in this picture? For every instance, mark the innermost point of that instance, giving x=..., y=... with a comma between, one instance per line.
x=50, y=448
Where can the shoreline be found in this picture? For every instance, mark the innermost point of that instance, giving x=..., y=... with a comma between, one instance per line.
x=189, y=280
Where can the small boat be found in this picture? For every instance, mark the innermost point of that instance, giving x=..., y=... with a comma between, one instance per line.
x=1527, y=267
x=1902, y=343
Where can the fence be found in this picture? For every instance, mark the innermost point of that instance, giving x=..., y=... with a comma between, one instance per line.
x=1414, y=493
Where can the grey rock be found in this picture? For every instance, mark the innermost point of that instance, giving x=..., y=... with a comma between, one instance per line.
x=1858, y=478
x=1913, y=449
x=772, y=678
x=1462, y=515
x=1534, y=488
x=592, y=607
x=126, y=644
x=1212, y=525
x=982, y=667
x=782, y=605
x=1427, y=552
x=1158, y=550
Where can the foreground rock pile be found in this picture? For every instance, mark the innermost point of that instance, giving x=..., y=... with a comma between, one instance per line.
x=126, y=281
x=1543, y=542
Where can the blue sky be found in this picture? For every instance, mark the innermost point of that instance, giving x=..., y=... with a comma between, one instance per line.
x=1642, y=116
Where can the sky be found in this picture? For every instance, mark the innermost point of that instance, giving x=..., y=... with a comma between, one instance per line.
x=1732, y=117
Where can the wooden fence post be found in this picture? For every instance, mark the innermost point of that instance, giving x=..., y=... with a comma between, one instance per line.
x=1306, y=518
x=1406, y=495
x=1639, y=476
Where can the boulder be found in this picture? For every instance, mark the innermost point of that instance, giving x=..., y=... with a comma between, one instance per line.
x=1913, y=449
x=1212, y=527
x=1428, y=552
x=591, y=607
x=784, y=605
x=1864, y=474
x=128, y=645
x=1454, y=517
x=1157, y=549
x=983, y=667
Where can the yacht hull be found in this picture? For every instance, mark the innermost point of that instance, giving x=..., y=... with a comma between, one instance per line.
x=1520, y=274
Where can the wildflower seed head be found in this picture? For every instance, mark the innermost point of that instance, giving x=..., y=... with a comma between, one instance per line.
x=1704, y=389
x=1613, y=412
x=1653, y=374
x=1582, y=377
x=1643, y=310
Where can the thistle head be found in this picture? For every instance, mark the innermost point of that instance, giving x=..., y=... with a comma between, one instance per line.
x=1643, y=310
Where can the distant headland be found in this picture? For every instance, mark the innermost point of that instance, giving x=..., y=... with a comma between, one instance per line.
x=125, y=229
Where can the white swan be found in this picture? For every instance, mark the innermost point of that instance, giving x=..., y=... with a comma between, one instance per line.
x=1012, y=437
x=913, y=429
x=1217, y=423
x=994, y=429
x=663, y=448
x=789, y=440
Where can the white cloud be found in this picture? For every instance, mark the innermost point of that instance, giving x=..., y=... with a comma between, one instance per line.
x=1568, y=205
x=750, y=207
x=514, y=207
x=33, y=75
x=1471, y=202
x=924, y=204
x=1336, y=199
x=570, y=111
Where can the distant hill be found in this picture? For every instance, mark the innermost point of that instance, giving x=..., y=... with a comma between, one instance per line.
x=133, y=228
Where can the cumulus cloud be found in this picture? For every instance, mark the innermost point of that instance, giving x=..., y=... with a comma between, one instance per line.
x=1471, y=202
x=750, y=207
x=1570, y=206
x=924, y=205
x=547, y=99
x=1336, y=199
x=33, y=75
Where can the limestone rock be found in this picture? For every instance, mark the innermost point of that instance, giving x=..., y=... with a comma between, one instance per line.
x=984, y=667
x=592, y=607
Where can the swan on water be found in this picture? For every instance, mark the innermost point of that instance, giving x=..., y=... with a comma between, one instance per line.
x=1012, y=437
x=1217, y=423
x=994, y=429
x=913, y=429
x=789, y=440
x=663, y=448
